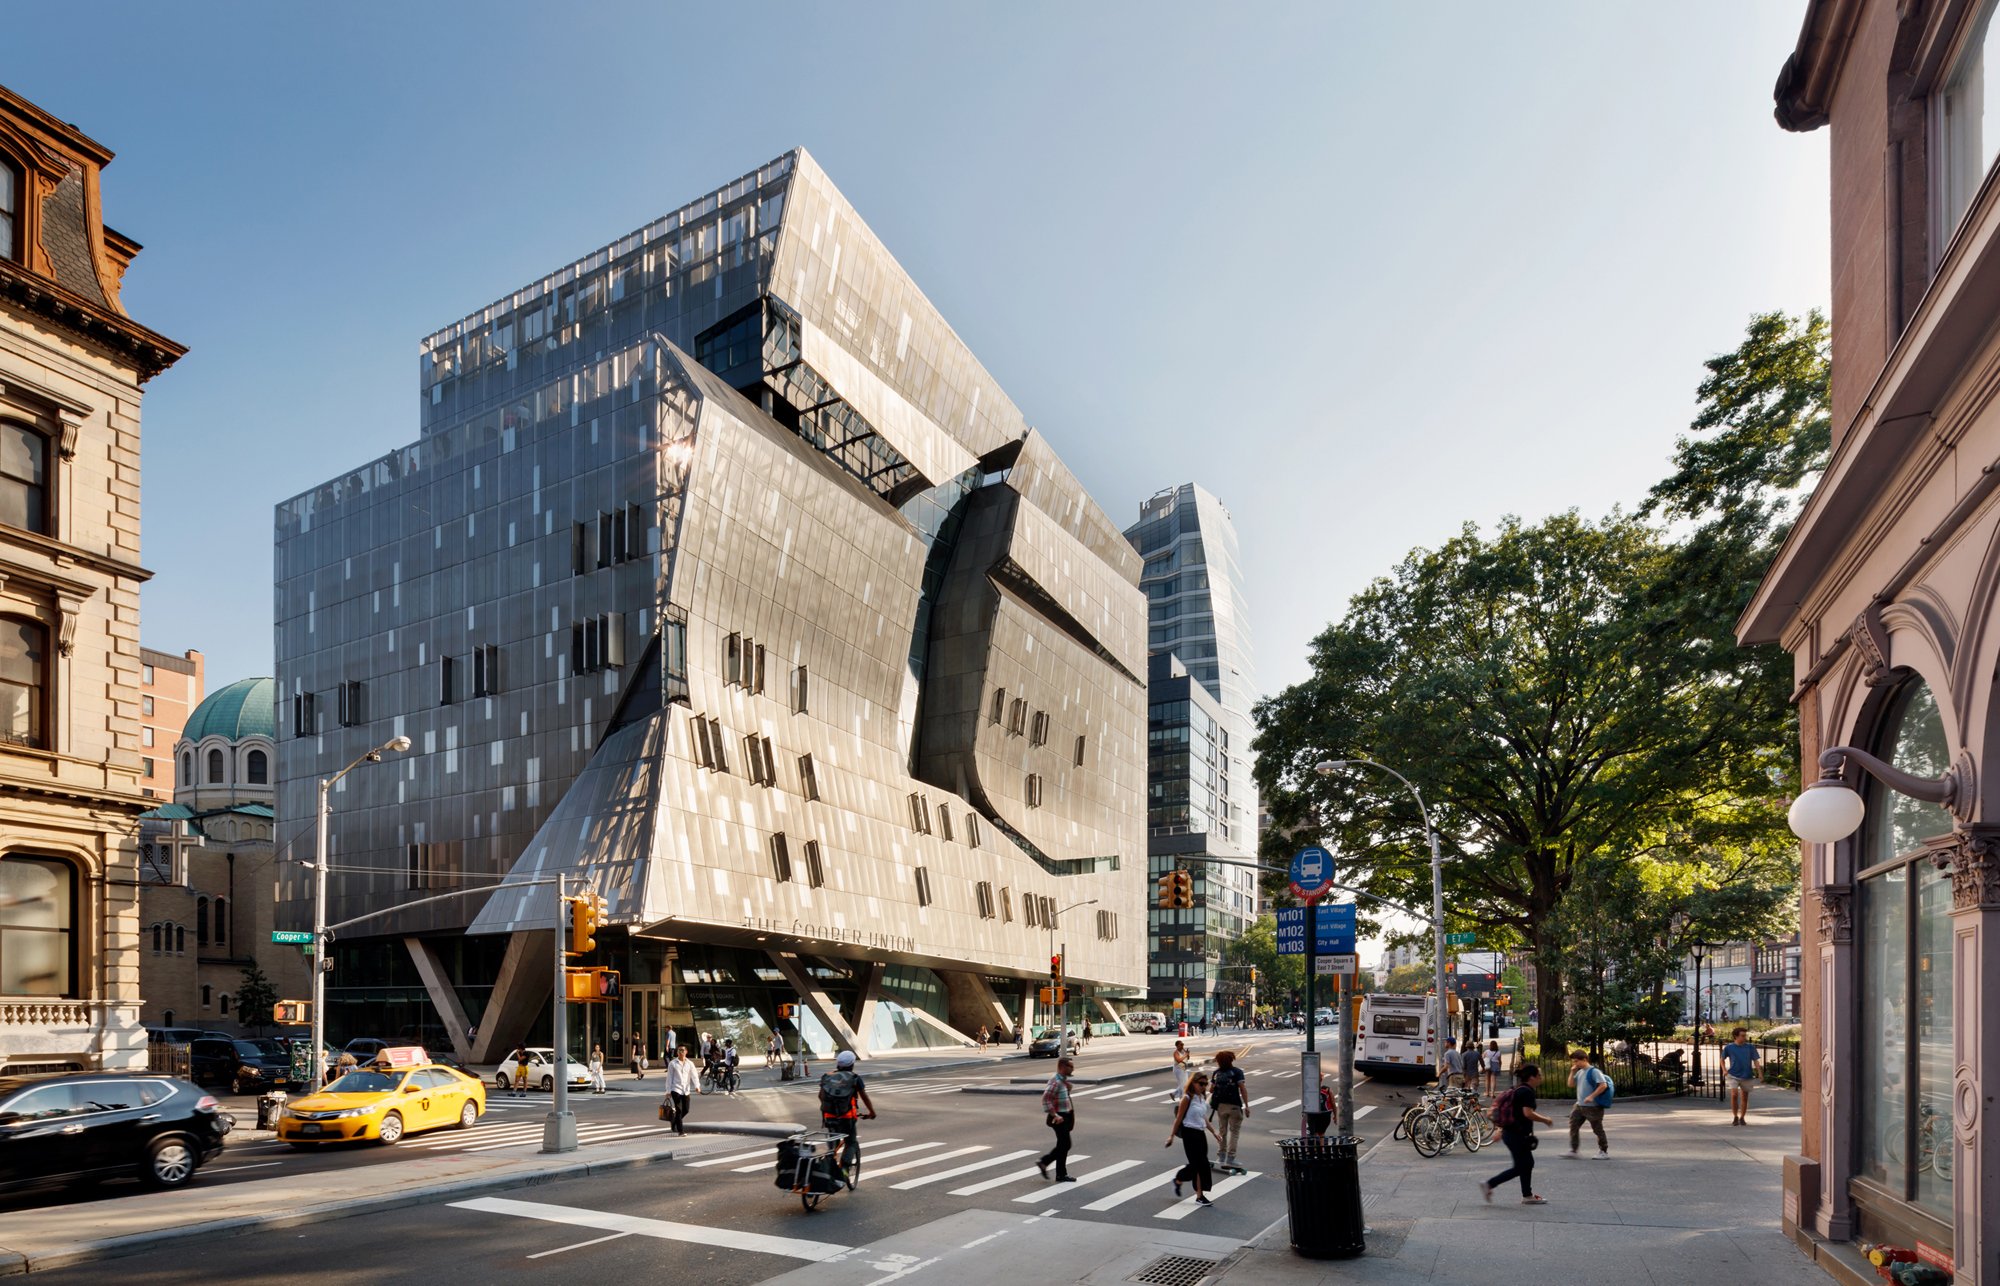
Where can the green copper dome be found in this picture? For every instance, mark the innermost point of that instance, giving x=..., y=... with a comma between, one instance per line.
x=246, y=708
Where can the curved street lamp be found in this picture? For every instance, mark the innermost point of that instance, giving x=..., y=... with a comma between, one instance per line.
x=398, y=744
x=1829, y=810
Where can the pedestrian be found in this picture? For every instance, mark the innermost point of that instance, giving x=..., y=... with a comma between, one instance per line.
x=1514, y=1112
x=1181, y=1062
x=1231, y=1107
x=1492, y=1067
x=982, y=1035
x=683, y=1082
x=1739, y=1058
x=730, y=1060
x=1593, y=1089
x=1191, y=1128
x=520, y=1071
x=639, y=1059
x=1060, y=1111
x=1086, y=1035
x=1452, y=1067
x=597, y=1070
x=1021, y=1036
x=842, y=1096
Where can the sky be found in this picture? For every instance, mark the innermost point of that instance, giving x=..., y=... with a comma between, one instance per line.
x=1367, y=272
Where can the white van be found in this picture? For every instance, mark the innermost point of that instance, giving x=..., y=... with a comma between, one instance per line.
x=1146, y=1021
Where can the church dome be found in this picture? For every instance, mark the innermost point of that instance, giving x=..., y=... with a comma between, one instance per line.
x=246, y=708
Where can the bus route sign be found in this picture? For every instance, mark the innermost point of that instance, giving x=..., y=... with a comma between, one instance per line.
x=1311, y=874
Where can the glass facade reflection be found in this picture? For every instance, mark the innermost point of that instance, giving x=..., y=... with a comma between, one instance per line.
x=713, y=548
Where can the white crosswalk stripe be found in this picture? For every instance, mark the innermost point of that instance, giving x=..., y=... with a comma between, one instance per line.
x=1082, y=1180
x=956, y=1171
x=736, y=1156
x=1124, y=1195
x=1363, y=1110
x=1182, y=1209
x=486, y=1138
x=877, y=1172
x=974, y=1189
x=873, y=1143
x=1108, y=1095
x=1259, y=1102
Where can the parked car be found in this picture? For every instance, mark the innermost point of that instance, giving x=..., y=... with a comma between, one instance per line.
x=1048, y=1043
x=541, y=1071
x=364, y=1048
x=70, y=1127
x=246, y=1066
x=182, y=1035
x=383, y=1105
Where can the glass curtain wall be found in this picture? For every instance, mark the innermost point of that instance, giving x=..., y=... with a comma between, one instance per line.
x=1904, y=917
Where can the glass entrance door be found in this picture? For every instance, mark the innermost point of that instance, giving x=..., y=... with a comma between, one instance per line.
x=644, y=1031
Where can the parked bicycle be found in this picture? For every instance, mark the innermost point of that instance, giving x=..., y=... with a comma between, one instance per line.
x=1933, y=1143
x=1458, y=1118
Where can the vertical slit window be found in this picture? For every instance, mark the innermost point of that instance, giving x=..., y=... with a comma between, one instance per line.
x=781, y=859
x=352, y=713
x=447, y=680
x=815, y=871
x=732, y=660
x=808, y=778
x=799, y=692
x=1079, y=752
x=999, y=704
x=944, y=823
x=923, y=886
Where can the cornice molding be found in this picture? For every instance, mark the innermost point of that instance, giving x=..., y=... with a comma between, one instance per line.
x=147, y=351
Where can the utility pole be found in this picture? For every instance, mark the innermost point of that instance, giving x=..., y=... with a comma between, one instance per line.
x=559, y=1131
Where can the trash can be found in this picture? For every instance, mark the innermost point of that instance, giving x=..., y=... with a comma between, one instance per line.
x=1323, y=1196
x=269, y=1107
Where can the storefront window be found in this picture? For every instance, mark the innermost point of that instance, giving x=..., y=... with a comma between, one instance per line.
x=1904, y=917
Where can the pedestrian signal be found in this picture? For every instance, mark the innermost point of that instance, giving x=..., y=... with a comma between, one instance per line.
x=292, y=1013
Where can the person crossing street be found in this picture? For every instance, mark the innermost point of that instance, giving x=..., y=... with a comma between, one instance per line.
x=1226, y=1097
x=842, y=1096
x=1192, y=1128
x=1060, y=1110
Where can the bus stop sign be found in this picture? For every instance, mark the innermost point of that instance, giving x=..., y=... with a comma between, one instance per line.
x=1312, y=874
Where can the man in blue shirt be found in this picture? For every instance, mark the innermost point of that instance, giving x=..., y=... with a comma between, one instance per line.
x=1739, y=1059
x=1591, y=1087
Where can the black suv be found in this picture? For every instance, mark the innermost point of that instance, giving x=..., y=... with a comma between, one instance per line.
x=71, y=1126
x=245, y=1066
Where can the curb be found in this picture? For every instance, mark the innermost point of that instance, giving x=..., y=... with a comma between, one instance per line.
x=1107, y=1079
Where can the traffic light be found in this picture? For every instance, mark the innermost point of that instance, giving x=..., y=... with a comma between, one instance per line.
x=607, y=984
x=1055, y=970
x=786, y=1011
x=1183, y=889
x=1253, y=975
x=1166, y=898
x=292, y=1013
x=584, y=913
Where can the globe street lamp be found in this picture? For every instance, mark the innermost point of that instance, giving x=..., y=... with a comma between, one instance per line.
x=1327, y=768
x=320, y=958
x=1829, y=810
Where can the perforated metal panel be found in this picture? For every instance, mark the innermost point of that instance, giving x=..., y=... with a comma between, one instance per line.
x=1176, y=1270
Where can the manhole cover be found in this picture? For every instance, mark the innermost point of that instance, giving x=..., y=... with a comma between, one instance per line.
x=1176, y=1270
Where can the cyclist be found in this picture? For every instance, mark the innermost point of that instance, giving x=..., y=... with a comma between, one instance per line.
x=729, y=1061
x=840, y=1090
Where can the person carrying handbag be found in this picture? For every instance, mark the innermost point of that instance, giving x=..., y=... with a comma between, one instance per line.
x=683, y=1083
x=1192, y=1126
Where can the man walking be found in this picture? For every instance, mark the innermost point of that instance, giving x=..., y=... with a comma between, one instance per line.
x=683, y=1082
x=1226, y=1097
x=1061, y=1112
x=1514, y=1112
x=1592, y=1087
x=1739, y=1058
x=1453, y=1071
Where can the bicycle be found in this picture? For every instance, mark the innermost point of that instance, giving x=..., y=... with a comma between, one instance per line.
x=1934, y=1154
x=1459, y=1119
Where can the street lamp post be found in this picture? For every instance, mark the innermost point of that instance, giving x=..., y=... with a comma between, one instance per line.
x=1331, y=766
x=320, y=937
x=1062, y=1014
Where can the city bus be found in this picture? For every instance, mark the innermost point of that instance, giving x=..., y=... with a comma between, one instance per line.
x=1396, y=1037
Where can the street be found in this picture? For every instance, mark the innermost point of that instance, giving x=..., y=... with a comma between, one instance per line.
x=946, y=1142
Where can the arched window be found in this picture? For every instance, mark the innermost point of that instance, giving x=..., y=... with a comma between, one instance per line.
x=225, y=1004
x=159, y=933
x=38, y=932
x=24, y=681
x=1905, y=940
x=215, y=762
x=207, y=995
x=187, y=767
x=24, y=476
x=257, y=768
x=221, y=921
x=201, y=922
x=167, y=1019
x=180, y=939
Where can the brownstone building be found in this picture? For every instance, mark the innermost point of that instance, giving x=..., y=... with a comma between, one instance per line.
x=170, y=687
x=1887, y=593
x=71, y=367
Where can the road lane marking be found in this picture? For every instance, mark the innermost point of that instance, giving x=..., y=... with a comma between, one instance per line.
x=1364, y=1110
x=872, y=1154
x=261, y=1165
x=594, y=1241
x=739, y=1156
x=1045, y=1194
x=1259, y=1102
x=1032, y=1172
x=1182, y=1209
x=1124, y=1195
x=955, y=1171
x=663, y=1229
x=1121, y=1093
x=929, y=1160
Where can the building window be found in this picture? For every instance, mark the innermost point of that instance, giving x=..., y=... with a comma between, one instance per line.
x=24, y=476
x=944, y=823
x=781, y=859
x=486, y=670
x=1905, y=945
x=1079, y=752
x=180, y=939
x=597, y=643
x=972, y=829
x=920, y=814
x=1968, y=123
x=732, y=660
x=1107, y=926
x=205, y=995
x=146, y=765
x=1017, y=716
x=305, y=718
x=1039, y=734
x=1006, y=906
x=24, y=682
x=999, y=704
x=1031, y=911
x=37, y=927
x=201, y=922
x=257, y=768
x=159, y=933
x=10, y=209
x=808, y=777
x=225, y=1004
x=353, y=702
x=221, y=921
x=146, y=675
x=757, y=755
x=146, y=706
x=187, y=767
x=923, y=886
x=215, y=767
x=815, y=870
x=708, y=752
x=1033, y=790
x=420, y=866
x=984, y=894
x=799, y=691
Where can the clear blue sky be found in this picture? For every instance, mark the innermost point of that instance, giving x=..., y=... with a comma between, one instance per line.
x=1365, y=271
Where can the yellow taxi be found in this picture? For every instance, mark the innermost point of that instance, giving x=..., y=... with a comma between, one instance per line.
x=400, y=1093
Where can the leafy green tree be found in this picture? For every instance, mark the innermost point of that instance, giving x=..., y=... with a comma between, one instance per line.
x=1276, y=975
x=1409, y=980
x=255, y=997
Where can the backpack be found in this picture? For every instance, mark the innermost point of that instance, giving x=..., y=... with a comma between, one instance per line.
x=1610, y=1089
x=1505, y=1112
x=836, y=1095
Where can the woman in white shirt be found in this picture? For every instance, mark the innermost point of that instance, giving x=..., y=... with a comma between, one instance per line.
x=597, y=1070
x=1191, y=1127
x=1181, y=1061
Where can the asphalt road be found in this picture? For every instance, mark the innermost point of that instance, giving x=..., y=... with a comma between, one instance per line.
x=939, y=1146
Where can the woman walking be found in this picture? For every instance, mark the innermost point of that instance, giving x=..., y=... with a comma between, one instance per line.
x=1191, y=1120
x=683, y=1081
x=639, y=1059
x=1181, y=1062
x=597, y=1070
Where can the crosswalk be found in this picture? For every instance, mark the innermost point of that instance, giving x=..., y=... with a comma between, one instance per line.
x=490, y=1135
x=979, y=1169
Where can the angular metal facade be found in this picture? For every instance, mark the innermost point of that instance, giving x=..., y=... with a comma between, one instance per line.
x=714, y=562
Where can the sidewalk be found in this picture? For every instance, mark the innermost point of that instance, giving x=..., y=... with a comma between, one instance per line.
x=1684, y=1197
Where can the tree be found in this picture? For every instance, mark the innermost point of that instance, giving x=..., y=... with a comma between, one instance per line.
x=1544, y=691
x=1410, y=980
x=1258, y=945
x=255, y=998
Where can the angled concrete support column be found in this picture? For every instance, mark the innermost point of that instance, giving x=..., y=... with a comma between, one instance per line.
x=816, y=999
x=971, y=1001
x=522, y=986
x=444, y=996
x=1026, y=1026
x=1110, y=1014
x=869, y=976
